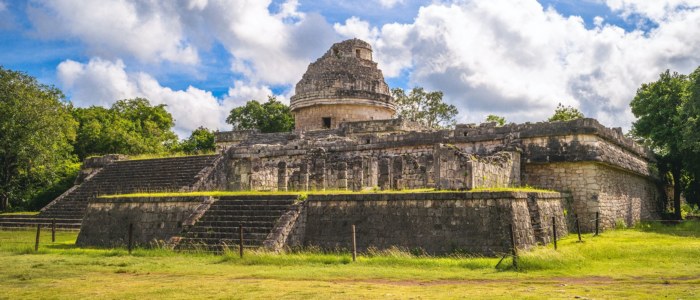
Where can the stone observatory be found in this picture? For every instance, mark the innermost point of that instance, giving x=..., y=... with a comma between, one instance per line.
x=344, y=85
x=448, y=190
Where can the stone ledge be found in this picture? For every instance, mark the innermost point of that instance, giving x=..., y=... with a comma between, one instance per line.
x=434, y=196
x=148, y=199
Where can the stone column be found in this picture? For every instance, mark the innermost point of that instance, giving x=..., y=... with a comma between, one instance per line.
x=319, y=175
x=397, y=173
x=343, y=176
x=304, y=176
x=385, y=173
x=282, y=176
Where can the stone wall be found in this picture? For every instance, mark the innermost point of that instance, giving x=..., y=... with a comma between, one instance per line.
x=391, y=154
x=438, y=223
x=617, y=194
x=155, y=220
x=311, y=118
x=441, y=166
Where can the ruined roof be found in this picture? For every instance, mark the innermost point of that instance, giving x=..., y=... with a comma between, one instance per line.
x=344, y=74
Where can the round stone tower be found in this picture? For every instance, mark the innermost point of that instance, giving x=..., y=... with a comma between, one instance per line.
x=343, y=85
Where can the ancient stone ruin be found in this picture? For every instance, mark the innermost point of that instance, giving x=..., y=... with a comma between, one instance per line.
x=346, y=140
x=343, y=85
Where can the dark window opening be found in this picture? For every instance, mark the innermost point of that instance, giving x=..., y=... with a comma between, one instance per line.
x=327, y=122
x=357, y=53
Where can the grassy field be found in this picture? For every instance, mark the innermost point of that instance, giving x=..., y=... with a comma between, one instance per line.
x=652, y=261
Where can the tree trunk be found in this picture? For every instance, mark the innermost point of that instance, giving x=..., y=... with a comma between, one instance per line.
x=4, y=202
x=676, y=172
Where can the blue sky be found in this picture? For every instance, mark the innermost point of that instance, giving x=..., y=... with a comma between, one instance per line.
x=518, y=59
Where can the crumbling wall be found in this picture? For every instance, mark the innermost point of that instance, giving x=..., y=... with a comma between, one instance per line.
x=502, y=169
x=443, y=167
x=617, y=195
x=154, y=220
x=391, y=155
x=438, y=223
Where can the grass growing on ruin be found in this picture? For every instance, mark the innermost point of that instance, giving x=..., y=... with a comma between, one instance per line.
x=166, y=155
x=524, y=189
x=265, y=193
x=652, y=261
x=325, y=192
x=20, y=213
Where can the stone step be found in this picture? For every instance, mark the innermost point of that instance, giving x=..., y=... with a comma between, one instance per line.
x=252, y=213
x=235, y=219
x=231, y=228
x=152, y=175
x=249, y=238
x=215, y=239
x=234, y=207
x=254, y=202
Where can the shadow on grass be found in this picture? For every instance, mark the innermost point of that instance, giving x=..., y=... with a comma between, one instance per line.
x=60, y=246
x=687, y=228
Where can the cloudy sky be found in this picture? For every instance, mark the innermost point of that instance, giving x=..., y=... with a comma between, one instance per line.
x=517, y=59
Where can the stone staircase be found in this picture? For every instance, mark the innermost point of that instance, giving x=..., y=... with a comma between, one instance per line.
x=130, y=176
x=218, y=228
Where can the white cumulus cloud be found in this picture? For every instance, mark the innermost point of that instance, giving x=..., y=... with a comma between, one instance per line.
x=267, y=47
x=149, y=31
x=103, y=82
x=390, y=3
x=519, y=60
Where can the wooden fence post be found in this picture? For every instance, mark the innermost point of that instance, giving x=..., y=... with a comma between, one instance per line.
x=240, y=240
x=578, y=228
x=554, y=231
x=354, y=244
x=512, y=246
x=130, y=244
x=597, y=222
x=38, y=232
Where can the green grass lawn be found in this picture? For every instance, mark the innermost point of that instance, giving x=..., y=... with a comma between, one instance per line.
x=651, y=261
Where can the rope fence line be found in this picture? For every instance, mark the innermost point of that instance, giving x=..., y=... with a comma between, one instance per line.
x=230, y=245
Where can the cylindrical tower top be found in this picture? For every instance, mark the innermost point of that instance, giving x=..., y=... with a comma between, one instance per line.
x=344, y=77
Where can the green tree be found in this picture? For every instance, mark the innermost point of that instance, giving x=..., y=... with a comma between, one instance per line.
x=424, y=107
x=130, y=126
x=200, y=141
x=565, y=113
x=498, y=119
x=36, y=131
x=661, y=119
x=691, y=137
x=271, y=116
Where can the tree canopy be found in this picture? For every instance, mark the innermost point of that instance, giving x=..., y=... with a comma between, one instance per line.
x=565, y=113
x=36, y=132
x=424, y=107
x=498, y=119
x=130, y=126
x=667, y=120
x=271, y=116
x=200, y=141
